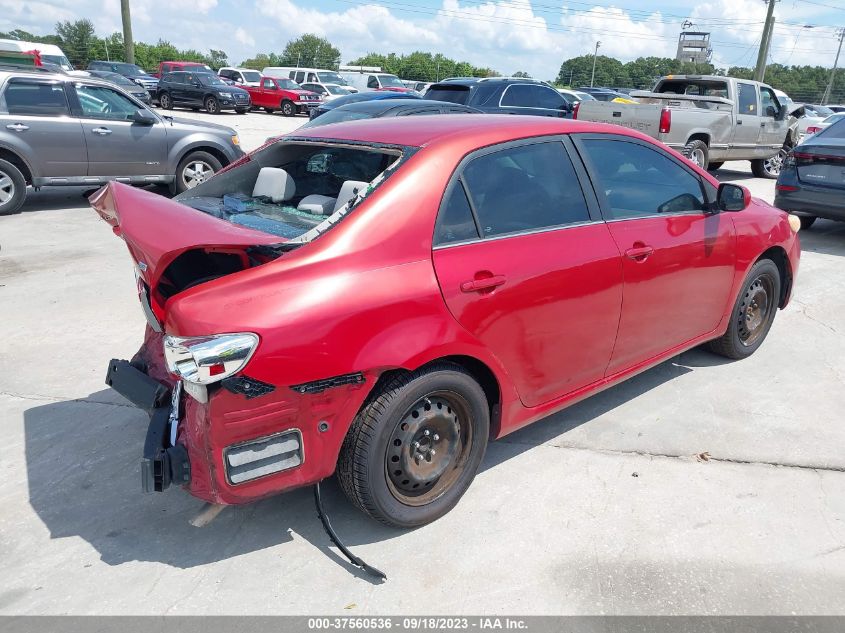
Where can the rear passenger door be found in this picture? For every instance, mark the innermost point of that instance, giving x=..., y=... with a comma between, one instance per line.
x=677, y=256
x=526, y=265
x=37, y=123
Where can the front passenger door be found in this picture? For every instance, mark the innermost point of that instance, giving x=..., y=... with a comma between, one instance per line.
x=747, y=128
x=677, y=256
x=773, y=129
x=117, y=146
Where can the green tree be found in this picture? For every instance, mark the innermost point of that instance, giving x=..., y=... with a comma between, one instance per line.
x=521, y=74
x=77, y=39
x=422, y=66
x=217, y=59
x=310, y=50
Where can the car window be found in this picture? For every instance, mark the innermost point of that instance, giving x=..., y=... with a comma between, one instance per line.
x=99, y=102
x=639, y=181
x=39, y=98
x=455, y=222
x=166, y=68
x=525, y=188
x=768, y=99
x=548, y=98
x=519, y=96
x=372, y=82
x=312, y=77
x=268, y=83
x=747, y=98
x=300, y=76
x=453, y=94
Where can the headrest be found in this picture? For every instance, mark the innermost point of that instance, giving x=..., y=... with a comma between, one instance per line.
x=274, y=183
x=349, y=190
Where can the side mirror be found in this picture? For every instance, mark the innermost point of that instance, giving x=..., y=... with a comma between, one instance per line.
x=143, y=116
x=731, y=197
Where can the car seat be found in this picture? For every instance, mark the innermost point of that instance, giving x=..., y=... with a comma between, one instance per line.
x=326, y=205
x=274, y=183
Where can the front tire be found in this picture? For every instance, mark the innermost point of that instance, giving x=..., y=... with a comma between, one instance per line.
x=12, y=188
x=165, y=101
x=212, y=106
x=288, y=109
x=416, y=445
x=193, y=170
x=753, y=313
x=698, y=153
x=769, y=168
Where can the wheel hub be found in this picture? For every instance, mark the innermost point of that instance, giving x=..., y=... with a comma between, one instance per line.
x=423, y=446
x=754, y=312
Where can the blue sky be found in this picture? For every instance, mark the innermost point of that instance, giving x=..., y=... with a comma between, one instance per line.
x=508, y=35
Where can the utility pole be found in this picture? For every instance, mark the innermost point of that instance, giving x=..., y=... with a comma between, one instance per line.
x=128, y=42
x=829, y=88
x=763, y=53
x=595, y=55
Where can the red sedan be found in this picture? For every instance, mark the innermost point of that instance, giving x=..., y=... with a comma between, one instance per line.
x=381, y=298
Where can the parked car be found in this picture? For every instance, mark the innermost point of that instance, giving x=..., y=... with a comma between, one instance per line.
x=328, y=92
x=131, y=71
x=824, y=123
x=364, y=81
x=49, y=53
x=170, y=67
x=274, y=93
x=503, y=95
x=57, y=129
x=837, y=108
x=136, y=90
x=396, y=291
x=241, y=76
x=201, y=90
x=710, y=119
x=373, y=95
x=574, y=96
x=378, y=108
x=307, y=75
x=812, y=182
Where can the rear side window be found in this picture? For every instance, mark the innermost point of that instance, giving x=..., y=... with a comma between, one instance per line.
x=525, y=188
x=747, y=98
x=548, y=98
x=638, y=181
x=372, y=82
x=455, y=222
x=519, y=96
x=39, y=98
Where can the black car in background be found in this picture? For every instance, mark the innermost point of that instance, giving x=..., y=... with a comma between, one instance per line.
x=811, y=183
x=358, y=97
x=198, y=90
x=378, y=108
x=130, y=71
x=124, y=82
x=502, y=95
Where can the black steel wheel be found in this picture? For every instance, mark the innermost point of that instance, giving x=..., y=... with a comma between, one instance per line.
x=753, y=313
x=415, y=447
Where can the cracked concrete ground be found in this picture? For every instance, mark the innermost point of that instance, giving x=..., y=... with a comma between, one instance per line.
x=603, y=508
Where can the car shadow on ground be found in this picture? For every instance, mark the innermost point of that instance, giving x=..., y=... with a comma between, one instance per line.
x=62, y=198
x=729, y=175
x=825, y=236
x=83, y=474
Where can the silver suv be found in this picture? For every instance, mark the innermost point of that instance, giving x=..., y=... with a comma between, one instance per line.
x=57, y=129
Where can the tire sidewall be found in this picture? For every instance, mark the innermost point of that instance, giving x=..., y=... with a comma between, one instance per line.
x=216, y=106
x=19, y=182
x=701, y=146
x=214, y=163
x=761, y=267
x=412, y=516
x=165, y=101
x=288, y=109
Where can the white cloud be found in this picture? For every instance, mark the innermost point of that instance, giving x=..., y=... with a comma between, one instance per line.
x=243, y=37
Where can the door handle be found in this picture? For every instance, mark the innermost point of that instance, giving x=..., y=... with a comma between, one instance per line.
x=639, y=253
x=17, y=127
x=739, y=121
x=102, y=131
x=488, y=283
x=763, y=124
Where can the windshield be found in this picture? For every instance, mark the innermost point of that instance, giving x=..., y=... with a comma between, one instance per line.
x=337, y=90
x=59, y=60
x=120, y=80
x=329, y=180
x=833, y=118
x=390, y=81
x=820, y=110
x=251, y=75
x=337, y=116
x=211, y=80
x=129, y=69
x=329, y=77
x=288, y=84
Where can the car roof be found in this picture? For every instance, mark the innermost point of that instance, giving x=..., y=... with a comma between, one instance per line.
x=383, y=105
x=468, y=130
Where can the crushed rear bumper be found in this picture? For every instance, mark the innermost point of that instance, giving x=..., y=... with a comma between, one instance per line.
x=162, y=464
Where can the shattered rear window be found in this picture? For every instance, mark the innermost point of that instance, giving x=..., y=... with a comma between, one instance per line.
x=296, y=189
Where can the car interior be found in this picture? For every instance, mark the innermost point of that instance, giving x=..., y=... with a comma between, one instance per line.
x=287, y=189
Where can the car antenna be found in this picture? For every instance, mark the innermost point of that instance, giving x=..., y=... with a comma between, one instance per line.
x=334, y=538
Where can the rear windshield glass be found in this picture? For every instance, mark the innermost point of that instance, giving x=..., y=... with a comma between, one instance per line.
x=452, y=94
x=295, y=190
x=837, y=130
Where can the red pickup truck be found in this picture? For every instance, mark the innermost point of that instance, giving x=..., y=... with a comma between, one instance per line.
x=275, y=93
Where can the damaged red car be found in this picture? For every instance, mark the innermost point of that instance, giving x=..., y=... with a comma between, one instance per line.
x=379, y=299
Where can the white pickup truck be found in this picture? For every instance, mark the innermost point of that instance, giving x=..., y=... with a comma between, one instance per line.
x=709, y=119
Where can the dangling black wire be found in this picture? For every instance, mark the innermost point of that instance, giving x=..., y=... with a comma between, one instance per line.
x=334, y=538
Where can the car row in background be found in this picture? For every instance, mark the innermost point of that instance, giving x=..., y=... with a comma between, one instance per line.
x=132, y=72
x=197, y=90
x=502, y=95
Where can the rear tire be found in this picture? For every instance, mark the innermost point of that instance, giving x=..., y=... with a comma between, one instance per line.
x=715, y=166
x=12, y=188
x=415, y=446
x=753, y=313
x=269, y=110
x=288, y=109
x=194, y=169
x=697, y=152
